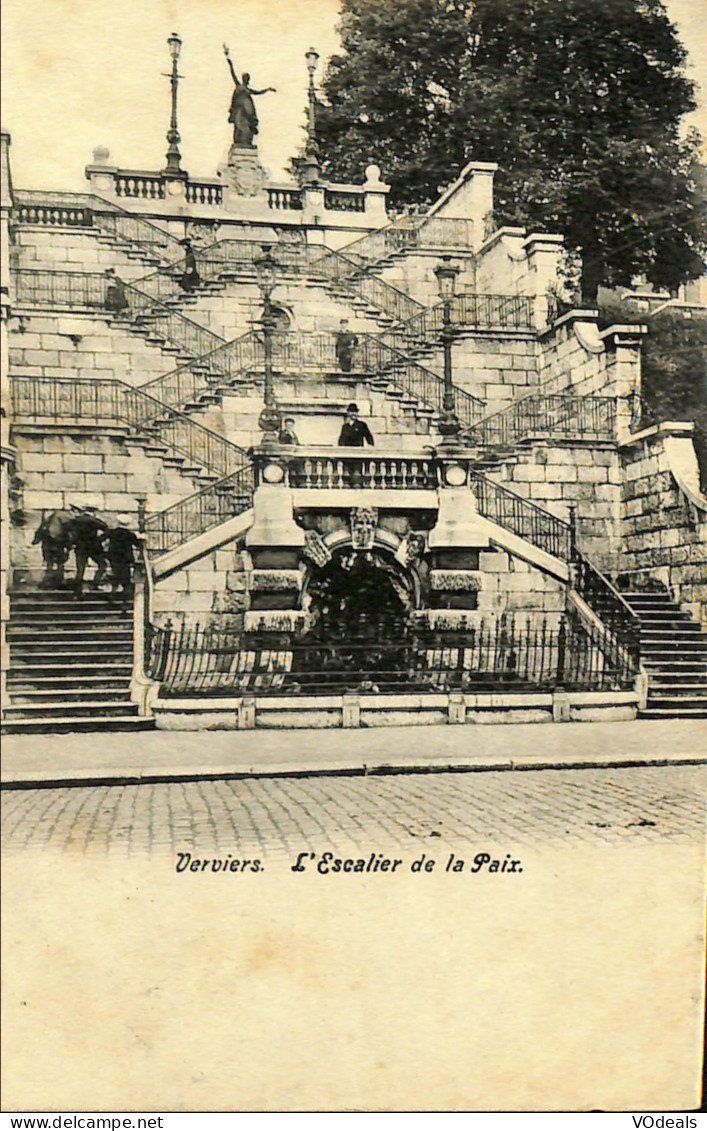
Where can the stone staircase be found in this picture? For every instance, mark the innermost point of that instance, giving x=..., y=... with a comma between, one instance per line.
x=70, y=664
x=674, y=653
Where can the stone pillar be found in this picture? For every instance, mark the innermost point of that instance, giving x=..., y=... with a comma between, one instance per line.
x=623, y=372
x=543, y=255
x=100, y=174
x=313, y=204
x=274, y=524
x=458, y=521
x=376, y=193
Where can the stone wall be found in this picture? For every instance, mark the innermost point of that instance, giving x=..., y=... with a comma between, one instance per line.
x=59, y=467
x=558, y=475
x=496, y=367
x=45, y=248
x=84, y=346
x=664, y=516
x=210, y=590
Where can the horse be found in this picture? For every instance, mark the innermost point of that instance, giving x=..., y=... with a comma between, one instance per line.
x=54, y=535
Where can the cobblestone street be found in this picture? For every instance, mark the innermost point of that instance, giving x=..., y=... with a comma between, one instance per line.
x=266, y=816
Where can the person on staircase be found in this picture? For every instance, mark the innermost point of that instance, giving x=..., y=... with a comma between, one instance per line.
x=346, y=342
x=287, y=434
x=87, y=533
x=354, y=431
x=115, y=301
x=190, y=278
x=122, y=542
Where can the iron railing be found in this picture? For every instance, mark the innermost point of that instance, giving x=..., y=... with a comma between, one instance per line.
x=373, y=355
x=198, y=513
x=521, y=517
x=242, y=361
x=107, y=400
x=467, y=312
x=434, y=233
x=53, y=208
x=560, y=415
x=214, y=660
x=79, y=290
x=605, y=600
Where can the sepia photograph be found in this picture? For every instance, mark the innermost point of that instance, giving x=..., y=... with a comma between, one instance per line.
x=354, y=556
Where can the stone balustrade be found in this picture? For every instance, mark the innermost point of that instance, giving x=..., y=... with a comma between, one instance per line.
x=341, y=468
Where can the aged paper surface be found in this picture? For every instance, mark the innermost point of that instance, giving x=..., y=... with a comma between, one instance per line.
x=574, y=984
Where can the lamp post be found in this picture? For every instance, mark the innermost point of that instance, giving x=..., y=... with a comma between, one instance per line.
x=446, y=273
x=174, y=157
x=310, y=168
x=266, y=274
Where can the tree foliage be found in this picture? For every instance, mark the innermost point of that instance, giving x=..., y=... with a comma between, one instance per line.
x=580, y=103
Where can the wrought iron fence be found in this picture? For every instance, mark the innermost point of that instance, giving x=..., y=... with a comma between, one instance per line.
x=537, y=414
x=375, y=356
x=239, y=361
x=55, y=208
x=80, y=290
x=615, y=613
x=522, y=517
x=198, y=513
x=513, y=312
x=215, y=660
x=108, y=400
x=435, y=232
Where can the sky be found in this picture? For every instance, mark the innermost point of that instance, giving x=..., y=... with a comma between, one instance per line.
x=82, y=73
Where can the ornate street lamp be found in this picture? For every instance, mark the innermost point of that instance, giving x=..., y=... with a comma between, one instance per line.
x=446, y=273
x=266, y=275
x=174, y=157
x=310, y=168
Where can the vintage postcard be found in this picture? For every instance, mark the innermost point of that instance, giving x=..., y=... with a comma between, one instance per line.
x=354, y=556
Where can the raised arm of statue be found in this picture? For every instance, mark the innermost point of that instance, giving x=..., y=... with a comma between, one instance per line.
x=267, y=90
x=230, y=63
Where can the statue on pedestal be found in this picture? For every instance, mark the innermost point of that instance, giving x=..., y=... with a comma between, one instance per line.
x=242, y=113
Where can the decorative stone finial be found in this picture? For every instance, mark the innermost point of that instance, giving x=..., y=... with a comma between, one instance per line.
x=101, y=155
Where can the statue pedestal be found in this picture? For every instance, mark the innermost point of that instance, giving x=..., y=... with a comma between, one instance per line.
x=243, y=175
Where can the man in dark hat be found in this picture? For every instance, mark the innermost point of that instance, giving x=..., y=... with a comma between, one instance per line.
x=190, y=278
x=354, y=432
x=122, y=544
x=346, y=343
x=87, y=534
x=287, y=434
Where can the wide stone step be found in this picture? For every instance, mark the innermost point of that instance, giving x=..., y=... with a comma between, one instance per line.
x=665, y=631
x=69, y=724
x=39, y=652
x=677, y=712
x=30, y=669
x=21, y=683
x=61, y=622
x=78, y=696
x=89, y=707
x=680, y=685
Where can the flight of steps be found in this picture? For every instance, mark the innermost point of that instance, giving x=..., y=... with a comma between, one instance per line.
x=70, y=664
x=674, y=653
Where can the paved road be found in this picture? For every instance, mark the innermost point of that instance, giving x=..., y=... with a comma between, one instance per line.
x=269, y=816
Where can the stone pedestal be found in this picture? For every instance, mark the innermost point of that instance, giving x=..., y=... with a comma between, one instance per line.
x=243, y=175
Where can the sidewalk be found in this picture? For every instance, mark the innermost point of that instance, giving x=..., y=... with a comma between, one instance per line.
x=182, y=755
